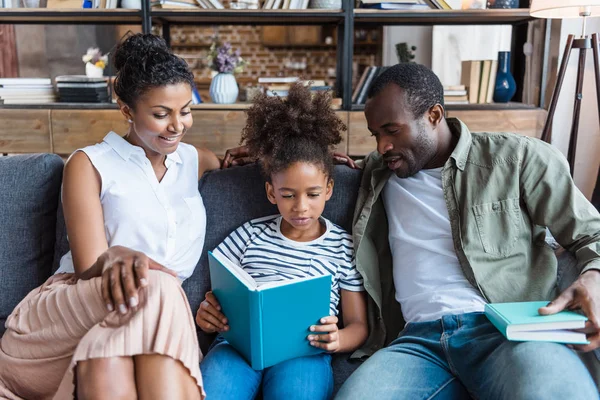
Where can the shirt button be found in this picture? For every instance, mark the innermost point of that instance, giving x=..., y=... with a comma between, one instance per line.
x=495, y=207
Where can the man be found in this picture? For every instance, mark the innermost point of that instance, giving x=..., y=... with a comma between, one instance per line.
x=447, y=221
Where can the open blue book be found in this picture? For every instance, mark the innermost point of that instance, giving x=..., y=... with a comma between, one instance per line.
x=522, y=322
x=269, y=323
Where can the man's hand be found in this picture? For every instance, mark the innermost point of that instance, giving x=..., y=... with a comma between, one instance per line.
x=209, y=316
x=327, y=341
x=583, y=294
x=237, y=156
x=341, y=158
x=124, y=273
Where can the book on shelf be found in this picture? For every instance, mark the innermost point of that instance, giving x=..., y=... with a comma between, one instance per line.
x=277, y=79
x=444, y=4
x=521, y=321
x=394, y=6
x=27, y=91
x=169, y=4
x=456, y=94
x=269, y=323
x=63, y=3
x=285, y=4
x=359, y=96
x=82, y=89
x=479, y=76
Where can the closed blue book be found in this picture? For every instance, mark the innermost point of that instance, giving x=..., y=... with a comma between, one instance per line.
x=269, y=323
x=522, y=322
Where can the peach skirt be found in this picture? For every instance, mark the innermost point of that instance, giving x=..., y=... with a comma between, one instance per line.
x=65, y=321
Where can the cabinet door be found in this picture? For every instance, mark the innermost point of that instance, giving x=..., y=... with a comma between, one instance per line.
x=304, y=35
x=274, y=36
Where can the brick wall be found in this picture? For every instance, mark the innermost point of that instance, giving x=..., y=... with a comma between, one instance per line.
x=192, y=43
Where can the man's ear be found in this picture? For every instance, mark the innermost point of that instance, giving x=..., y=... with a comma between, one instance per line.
x=435, y=115
x=125, y=110
x=270, y=192
x=329, y=190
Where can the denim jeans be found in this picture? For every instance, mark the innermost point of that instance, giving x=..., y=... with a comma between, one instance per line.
x=464, y=356
x=227, y=376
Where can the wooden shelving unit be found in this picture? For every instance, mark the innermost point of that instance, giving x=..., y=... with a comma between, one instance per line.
x=476, y=107
x=247, y=17
x=69, y=16
x=62, y=127
x=442, y=17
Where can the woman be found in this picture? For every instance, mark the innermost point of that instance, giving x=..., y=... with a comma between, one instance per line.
x=114, y=323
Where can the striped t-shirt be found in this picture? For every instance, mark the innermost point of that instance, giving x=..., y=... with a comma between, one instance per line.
x=263, y=252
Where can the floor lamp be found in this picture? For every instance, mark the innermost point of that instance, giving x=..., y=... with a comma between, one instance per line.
x=561, y=9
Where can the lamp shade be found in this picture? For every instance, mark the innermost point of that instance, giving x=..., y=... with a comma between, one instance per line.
x=563, y=8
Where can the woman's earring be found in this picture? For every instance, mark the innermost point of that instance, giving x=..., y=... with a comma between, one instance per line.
x=130, y=121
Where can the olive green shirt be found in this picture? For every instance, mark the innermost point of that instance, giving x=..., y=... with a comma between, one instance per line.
x=502, y=190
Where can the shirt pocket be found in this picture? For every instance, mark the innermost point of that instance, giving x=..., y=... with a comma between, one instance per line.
x=498, y=223
x=197, y=222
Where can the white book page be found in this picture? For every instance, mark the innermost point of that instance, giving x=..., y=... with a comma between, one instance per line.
x=551, y=336
x=548, y=326
x=242, y=275
x=269, y=285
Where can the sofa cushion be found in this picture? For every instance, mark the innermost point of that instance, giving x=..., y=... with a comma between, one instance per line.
x=237, y=195
x=29, y=194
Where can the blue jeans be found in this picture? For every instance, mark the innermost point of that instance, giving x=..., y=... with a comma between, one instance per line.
x=464, y=356
x=226, y=375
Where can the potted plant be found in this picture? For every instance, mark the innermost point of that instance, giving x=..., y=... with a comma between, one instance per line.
x=95, y=62
x=226, y=63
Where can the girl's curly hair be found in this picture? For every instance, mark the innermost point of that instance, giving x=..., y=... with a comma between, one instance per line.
x=301, y=128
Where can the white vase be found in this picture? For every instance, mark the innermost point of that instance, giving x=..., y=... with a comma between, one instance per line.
x=223, y=89
x=92, y=71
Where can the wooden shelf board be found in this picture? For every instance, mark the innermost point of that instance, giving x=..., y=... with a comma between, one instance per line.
x=250, y=17
x=68, y=16
x=476, y=107
x=113, y=106
x=442, y=17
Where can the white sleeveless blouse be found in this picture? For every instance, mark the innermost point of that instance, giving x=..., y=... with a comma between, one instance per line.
x=165, y=220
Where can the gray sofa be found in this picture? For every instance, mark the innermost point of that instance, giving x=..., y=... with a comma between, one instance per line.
x=33, y=235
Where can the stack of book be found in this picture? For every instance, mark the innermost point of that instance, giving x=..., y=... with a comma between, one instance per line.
x=82, y=89
x=26, y=91
x=280, y=86
x=205, y=4
x=455, y=95
x=479, y=77
x=359, y=96
x=101, y=4
x=395, y=4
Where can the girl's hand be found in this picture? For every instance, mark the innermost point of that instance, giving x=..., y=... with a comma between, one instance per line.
x=330, y=341
x=209, y=317
x=124, y=273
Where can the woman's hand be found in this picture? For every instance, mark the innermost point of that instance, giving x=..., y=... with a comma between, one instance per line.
x=209, y=317
x=329, y=341
x=124, y=272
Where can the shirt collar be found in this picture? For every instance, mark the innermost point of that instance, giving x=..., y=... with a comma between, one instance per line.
x=126, y=149
x=461, y=151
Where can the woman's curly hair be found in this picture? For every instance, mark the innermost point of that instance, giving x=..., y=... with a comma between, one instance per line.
x=301, y=128
x=143, y=62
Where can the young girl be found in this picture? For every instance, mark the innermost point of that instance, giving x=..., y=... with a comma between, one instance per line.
x=293, y=139
x=114, y=323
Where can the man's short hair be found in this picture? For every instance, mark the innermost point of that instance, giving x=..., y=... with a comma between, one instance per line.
x=422, y=86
